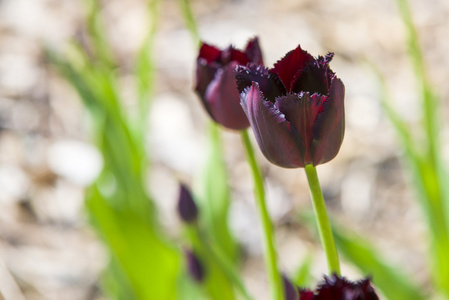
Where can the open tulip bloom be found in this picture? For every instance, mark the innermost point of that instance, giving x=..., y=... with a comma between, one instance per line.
x=295, y=109
x=296, y=112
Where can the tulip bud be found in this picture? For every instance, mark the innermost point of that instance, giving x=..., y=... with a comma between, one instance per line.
x=215, y=82
x=290, y=292
x=295, y=109
x=194, y=266
x=187, y=208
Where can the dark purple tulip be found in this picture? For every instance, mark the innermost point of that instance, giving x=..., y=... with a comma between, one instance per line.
x=215, y=82
x=194, y=266
x=295, y=109
x=335, y=287
x=187, y=208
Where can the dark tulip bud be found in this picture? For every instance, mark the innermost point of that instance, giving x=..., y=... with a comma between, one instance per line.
x=187, y=208
x=194, y=266
x=295, y=109
x=290, y=292
x=215, y=82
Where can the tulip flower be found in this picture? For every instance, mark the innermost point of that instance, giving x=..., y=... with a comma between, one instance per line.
x=335, y=287
x=215, y=82
x=194, y=266
x=187, y=209
x=295, y=109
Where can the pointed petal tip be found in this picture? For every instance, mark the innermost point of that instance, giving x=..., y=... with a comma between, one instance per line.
x=246, y=75
x=292, y=63
x=209, y=53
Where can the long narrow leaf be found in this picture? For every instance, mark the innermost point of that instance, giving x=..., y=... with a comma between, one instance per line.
x=151, y=265
x=214, y=197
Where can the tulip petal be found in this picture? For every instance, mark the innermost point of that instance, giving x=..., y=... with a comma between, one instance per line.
x=301, y=110
x=205, y=73
x=292, y=63
x=231, y=54
x=253, y=51
x=223, y=100
x=315, y=77
x=329, y=126
x=277, y=139
x=269, y=83
x=209, y=53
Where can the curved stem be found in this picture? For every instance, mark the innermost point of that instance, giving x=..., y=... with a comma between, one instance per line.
x=268, y=236
x=324, y=227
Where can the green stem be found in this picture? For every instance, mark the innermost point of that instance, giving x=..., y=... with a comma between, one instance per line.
x=324, y=227
x=269, y=242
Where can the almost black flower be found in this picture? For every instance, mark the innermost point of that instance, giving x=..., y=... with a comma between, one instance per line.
x=194, y=266
x=295, y=109
x=336, y=287
x=187, y=208
x=215, y=81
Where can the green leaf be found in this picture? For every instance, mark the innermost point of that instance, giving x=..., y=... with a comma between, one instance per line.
x=149, y=262
x=214, y=197
x=190, y=21
x=145, y=68
x=216, y=282
x=302, y=276
x=393, y=283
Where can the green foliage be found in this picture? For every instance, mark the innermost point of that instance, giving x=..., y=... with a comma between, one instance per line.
x=150, y=263
x=302, y=276
x=393, y=283
x=214, y=198
x=424, y=158
x=144, y=265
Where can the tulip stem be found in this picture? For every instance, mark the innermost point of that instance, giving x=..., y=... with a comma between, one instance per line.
x=268, y=236
x=324, y=227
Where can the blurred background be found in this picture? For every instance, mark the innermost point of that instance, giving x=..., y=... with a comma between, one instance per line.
x=47, y=159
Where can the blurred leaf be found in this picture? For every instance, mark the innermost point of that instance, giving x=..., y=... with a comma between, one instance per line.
x=393, y=283
x=216, y=281
x=97, y=35
x=302, y=276
x=190, y=21
x=188, y=289
x=115, y=284
x=424, y=158
x=149, y=262
x=145, y=69
x=214, y=197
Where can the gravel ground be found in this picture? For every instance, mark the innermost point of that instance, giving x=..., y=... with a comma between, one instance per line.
x=47, y=251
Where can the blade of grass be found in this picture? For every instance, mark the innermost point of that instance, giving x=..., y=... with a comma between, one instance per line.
x=145, y=69
x=114, y=138
x=190, y=20
x=214, y=198
x=97, y=35
x=425, y=179
x=393, y=283
x=431, y=168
